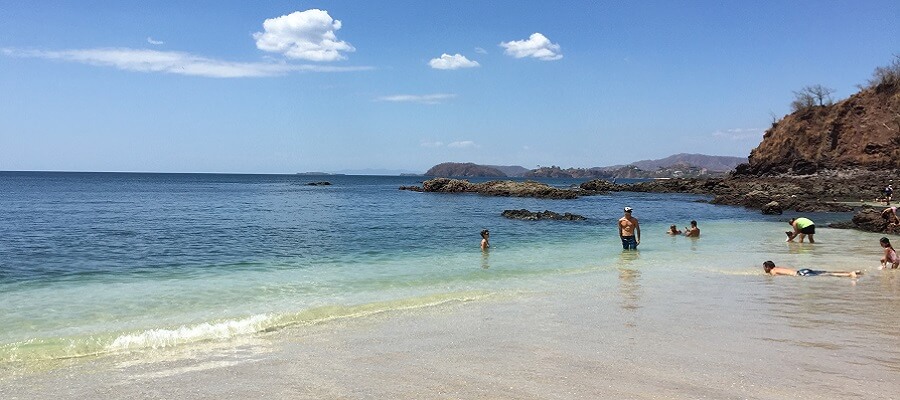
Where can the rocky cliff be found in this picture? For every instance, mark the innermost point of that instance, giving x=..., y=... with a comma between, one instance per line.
x=861, y=132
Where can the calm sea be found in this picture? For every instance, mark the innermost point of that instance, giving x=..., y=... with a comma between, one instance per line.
x=106, y=263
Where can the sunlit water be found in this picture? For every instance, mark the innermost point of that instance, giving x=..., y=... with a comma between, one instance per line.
x=112, y=264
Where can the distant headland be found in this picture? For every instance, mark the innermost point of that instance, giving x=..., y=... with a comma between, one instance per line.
x=675, y=166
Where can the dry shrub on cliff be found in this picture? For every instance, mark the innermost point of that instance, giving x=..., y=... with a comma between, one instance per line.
x=887, y=75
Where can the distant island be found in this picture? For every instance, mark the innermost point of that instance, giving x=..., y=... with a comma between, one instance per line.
x=675, y=166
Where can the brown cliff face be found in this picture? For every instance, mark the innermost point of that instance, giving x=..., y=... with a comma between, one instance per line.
x=860, y=132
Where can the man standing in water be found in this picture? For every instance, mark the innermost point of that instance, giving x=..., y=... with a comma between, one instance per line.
x=628, y=227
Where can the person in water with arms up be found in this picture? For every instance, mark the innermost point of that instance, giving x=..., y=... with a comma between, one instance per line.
x=628, y=227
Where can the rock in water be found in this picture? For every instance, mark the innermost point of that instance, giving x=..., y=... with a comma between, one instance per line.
x=772, y=208
x=526, y=215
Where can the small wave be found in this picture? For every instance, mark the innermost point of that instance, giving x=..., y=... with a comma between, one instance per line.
x=74, y=347
x=162, y=338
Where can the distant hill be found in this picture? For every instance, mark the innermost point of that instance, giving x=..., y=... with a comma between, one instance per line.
x=513, y=171
x=678, y=165
x=451, y=169
x=702, y=161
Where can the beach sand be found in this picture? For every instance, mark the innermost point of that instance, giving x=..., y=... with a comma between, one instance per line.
x=623, y=333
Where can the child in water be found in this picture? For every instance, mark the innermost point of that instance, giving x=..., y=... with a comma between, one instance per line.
x=673, y=230
x=485, y=239
x=890, y=255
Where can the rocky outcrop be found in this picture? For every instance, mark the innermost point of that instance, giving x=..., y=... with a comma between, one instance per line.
x=526, y=215
x=862, y=132
x=772, y=208
x=494, y=188
x=870, y=220
x=601, y=186
x=805, y=194
x=450, y=169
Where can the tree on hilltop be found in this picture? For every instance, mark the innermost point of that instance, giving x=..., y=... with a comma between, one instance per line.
x=811, y=96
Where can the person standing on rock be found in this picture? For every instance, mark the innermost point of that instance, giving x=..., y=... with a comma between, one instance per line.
x=802, y=227
x=888, y=192
x=890, y=215
x=628, y=227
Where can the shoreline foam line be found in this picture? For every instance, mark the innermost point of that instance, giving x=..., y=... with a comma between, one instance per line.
x=37, y=349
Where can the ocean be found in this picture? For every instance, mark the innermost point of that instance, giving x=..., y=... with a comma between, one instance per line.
x=122, y=268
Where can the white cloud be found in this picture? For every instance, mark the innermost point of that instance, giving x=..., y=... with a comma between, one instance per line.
x=412, y=98
x=306, y=35
x=172, y=62
x=739, y=133
x=462, y=144
x=537, y=46
x=465, y=144
x=479, y=50
x=432, y=144
x=456, y=61
x=154, y=42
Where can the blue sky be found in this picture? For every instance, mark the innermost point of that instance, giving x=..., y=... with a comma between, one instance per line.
x=293, y=86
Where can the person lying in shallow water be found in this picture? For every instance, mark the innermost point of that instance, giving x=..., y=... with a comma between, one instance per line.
x=771, y=269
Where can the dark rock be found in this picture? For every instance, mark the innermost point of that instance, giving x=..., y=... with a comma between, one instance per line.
x=495, y=188
x=772, y=208
x=600, y=186
x=322, y=183
x=842, y=225
x=869, y=219
x=524, y=214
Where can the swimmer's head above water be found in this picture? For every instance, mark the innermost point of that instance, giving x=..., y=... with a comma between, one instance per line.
x=768, y=265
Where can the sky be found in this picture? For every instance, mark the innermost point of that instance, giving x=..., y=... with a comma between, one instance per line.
x=398, y=86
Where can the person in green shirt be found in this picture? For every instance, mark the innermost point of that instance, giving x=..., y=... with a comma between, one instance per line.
x=802, y=227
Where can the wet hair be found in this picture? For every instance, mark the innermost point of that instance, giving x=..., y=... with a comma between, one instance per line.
x=485, y=232
x=694, y=223
x=673, y=228
x=768, y=265
x=792, y=221
x=886, y=241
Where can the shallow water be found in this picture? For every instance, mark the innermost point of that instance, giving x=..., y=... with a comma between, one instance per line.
x=130, y=267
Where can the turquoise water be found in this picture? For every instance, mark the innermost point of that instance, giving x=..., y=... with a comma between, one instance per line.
x=98, y=263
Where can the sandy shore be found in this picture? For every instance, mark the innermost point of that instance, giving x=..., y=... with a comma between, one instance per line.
x=619, y=334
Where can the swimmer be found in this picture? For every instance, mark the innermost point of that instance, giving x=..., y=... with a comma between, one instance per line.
x=485, y=239
x=673, y=230
x=693, y=231
x=771, y=269
x=890, y=258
